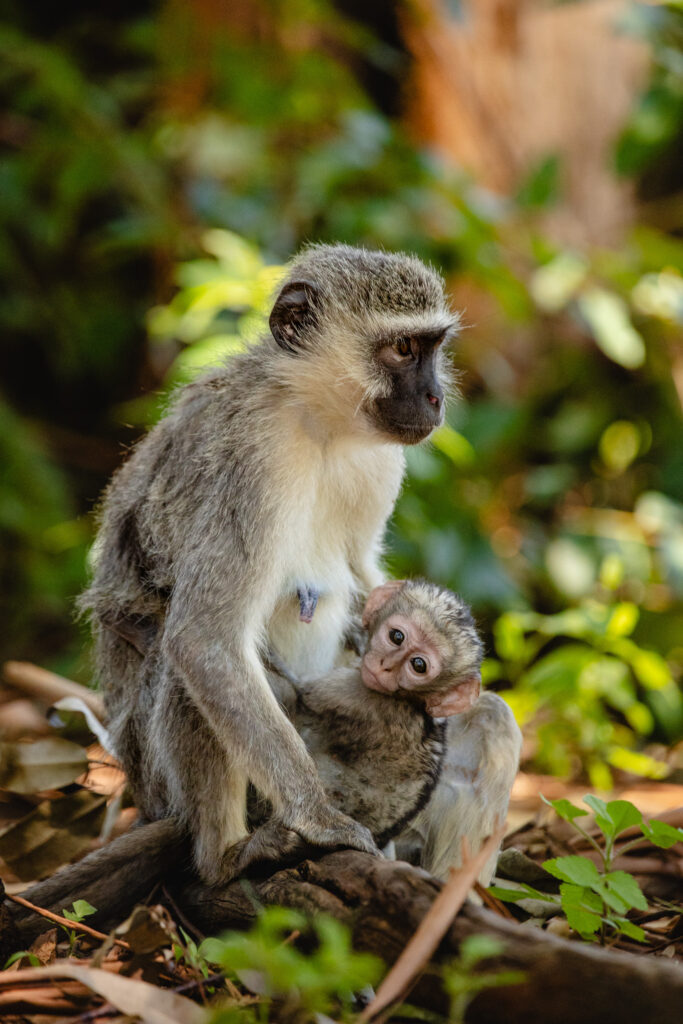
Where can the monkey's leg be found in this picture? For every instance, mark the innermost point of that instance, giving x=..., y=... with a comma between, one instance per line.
x=473, y=792
x=201, y=787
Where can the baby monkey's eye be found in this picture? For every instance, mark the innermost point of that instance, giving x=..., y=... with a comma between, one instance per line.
x=396, y=637
x=403, y=347
x=419, y=664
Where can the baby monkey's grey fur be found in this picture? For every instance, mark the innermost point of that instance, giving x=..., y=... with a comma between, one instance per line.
x=380, y=755
x=273, y=474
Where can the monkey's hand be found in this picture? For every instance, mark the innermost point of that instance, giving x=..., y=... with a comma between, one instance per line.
x=355, y=637
x=323, y=825
x=270, y=844
x=274, y=843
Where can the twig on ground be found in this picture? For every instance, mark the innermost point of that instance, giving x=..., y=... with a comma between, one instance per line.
x=491, y=902
x=49, y=687
x=180, y=917
x=76, y=926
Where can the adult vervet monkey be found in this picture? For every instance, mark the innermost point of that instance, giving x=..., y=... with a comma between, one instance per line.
x=251, y=519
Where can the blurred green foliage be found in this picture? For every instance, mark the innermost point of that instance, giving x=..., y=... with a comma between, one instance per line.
x=157, y=170
x=309, y=981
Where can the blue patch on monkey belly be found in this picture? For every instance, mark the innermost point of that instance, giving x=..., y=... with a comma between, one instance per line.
x=308, y=600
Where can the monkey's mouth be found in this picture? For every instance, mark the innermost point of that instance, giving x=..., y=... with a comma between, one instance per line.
x=372, y=681
x=407, y=433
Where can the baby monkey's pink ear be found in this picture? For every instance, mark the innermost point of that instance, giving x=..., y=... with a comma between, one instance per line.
x=441, y=705
x=377, y=598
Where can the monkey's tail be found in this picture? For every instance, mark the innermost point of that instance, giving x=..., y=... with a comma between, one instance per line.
x=112, y=879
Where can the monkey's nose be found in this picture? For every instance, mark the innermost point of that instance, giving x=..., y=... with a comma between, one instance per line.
x=434, y=399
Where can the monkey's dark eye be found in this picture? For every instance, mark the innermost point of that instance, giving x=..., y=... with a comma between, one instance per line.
x=396, y=637
x=419, y=664
x=403, y=347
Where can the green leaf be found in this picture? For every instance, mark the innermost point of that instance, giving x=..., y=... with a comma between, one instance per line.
x=582, y=909
x=31, y=957
x=83, y=909
x=614, y=817
x=608, y=321
x=623, y=814
x=627, y=927
x=602, y=817
x=637, y=763
x=212, y=950
x=578, y=870
x=478, y=947
x=565, y=808
x=623, y=619
x=651, y=669
x=662, y=834
x=579, y=896
x=454, y=446
x=626, y=887
x=515, y=895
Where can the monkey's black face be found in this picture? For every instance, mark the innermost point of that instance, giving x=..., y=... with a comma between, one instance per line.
x=414, y=405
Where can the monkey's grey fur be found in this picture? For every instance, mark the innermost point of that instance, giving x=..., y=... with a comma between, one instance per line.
x=472, y=796
x=388, y=764
x=378, y=755
x=277, y=471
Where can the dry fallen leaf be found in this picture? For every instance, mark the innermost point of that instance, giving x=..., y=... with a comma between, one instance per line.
x=151, y=1004
x=45, y=764
x=45, y=947
x=52, y=834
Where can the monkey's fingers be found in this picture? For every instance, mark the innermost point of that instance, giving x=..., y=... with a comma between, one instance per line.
x=335, y=830
x=272, y=843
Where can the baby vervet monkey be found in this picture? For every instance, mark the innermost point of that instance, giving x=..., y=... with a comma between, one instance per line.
x=377, y=747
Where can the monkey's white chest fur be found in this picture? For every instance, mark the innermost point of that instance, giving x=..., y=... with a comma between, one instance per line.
x=330, y=542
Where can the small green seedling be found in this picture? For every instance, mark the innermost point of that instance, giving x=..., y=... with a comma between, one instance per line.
x=31, y=957
x=185, y=950
x=313, y=981
x=463, y=983
x=79, y=910
x=595, y=901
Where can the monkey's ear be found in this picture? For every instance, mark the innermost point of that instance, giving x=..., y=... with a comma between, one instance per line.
x=442, y=705
x=292, y=313
x=377, y=598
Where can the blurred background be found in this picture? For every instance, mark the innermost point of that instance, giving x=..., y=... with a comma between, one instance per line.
x=160, y=160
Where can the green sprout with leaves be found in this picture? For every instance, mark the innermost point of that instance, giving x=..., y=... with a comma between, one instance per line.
x=316, y=981
x=462, y=982
x=596, y=902
x=22, y=954
x=80, y=909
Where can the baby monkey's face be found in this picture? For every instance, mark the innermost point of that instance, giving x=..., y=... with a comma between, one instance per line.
x=400, y=657
x=422, y=644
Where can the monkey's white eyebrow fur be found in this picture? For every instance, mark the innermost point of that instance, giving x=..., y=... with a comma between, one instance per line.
x=443, y=321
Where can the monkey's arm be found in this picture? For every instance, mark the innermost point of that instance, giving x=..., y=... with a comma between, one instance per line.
x=224, y=675
x=342, y=694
